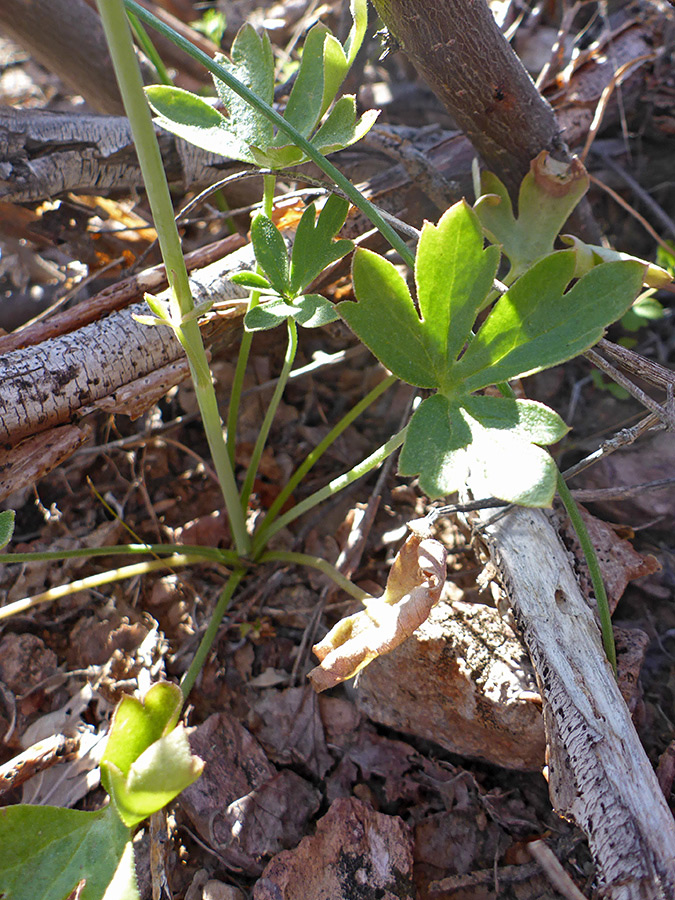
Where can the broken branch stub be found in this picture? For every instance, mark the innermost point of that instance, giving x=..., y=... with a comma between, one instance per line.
x=414, y=585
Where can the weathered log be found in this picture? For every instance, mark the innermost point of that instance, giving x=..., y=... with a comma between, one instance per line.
x=599, y=774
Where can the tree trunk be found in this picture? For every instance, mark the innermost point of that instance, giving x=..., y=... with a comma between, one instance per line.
x=458, y=48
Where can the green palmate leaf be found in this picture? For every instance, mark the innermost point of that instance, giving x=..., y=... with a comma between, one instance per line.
x=314, y=247
x=252, y=62
x=136, y=725
x=47, y=852
x=270, y=252
x=536, y=325
x=386, y=321
x=158, y=775
x=196, y=121
x=314, y=311
x=6, y=526
x=548, y=194
x=268, y=315
x=492, y=440
x=454, y=274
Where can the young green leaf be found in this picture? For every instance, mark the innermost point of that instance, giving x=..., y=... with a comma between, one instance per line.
x=454, y=274
x=251, y=280
x=341, y=128
x=158, y=775
x=386, y=321
x=304, y=107
x=548, y=194
x=47, y=852
x=536, y=325
x=193, y=119
x=252, y=62
x=268, y=315
x=314, y=247
x=271, y=253
x=314, y=311
x=6, y=526
x=136, y=725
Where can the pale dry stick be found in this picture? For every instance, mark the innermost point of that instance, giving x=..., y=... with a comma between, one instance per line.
x=665, y=413
x=563, y=31
x=617, y=78
x=639, y=365
x=641, y=193
x=621, y=493
x=623, y=438
x=555, y=873
x=37, y=758
x=633, y=212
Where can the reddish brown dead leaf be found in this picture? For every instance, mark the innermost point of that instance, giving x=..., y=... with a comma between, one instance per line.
x=355, y=852
x=619, y=561
x=413, y=587
x=241, y=806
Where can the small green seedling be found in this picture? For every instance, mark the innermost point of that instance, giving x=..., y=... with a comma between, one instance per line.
x=147, y=762
x=283, y=281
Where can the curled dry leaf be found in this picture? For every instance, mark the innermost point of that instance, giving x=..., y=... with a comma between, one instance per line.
x=414, y=585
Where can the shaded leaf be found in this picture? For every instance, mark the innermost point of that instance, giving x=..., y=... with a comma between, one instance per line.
x=314, y=311
x=47, y=852
x=7, y=517
x=268, y=315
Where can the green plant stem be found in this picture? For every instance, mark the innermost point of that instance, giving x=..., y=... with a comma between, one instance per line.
x=328, y=168
x=339, y=484
x=315, y=562
x=591, y=558
x=196, y=552
x=188, y=680
x=269, y=182
x=313, y=457
x=149, y=49
x=94, y=581
x=187, y=331
x=289, y=359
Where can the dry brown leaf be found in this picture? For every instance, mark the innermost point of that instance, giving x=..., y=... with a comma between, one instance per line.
x=413, y=587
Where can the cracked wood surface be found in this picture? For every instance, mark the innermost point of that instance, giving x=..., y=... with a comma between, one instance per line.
x=599, y=775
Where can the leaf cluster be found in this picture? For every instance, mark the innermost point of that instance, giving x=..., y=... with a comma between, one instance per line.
x=283, y=280
x=245, y=132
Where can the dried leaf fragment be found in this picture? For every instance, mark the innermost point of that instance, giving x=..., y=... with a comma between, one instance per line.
x=413, y=587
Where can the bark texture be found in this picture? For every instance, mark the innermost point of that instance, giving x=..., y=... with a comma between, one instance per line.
x=599, y=774
x=458, y=48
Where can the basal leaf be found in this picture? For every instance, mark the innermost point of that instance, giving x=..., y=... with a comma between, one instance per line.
x=270, y=252
x=48, y=851
x=314, y=311
x=314, y=247
x=446, y=445
x=251, y=280
x=454, y=274
x=193, y=119
x=252, y=62
x=548, y=194
x=386, y=321
x=536, y=325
